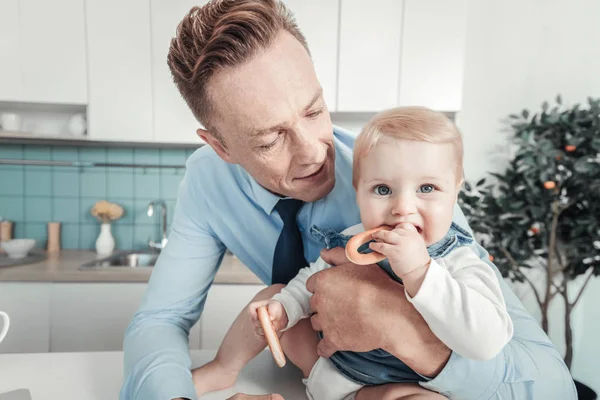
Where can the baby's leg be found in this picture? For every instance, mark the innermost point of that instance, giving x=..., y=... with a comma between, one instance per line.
x=240, y=345
x=300, y=346
x=397, y=391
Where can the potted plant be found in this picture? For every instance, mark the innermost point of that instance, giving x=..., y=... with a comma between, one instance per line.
x=542, y=213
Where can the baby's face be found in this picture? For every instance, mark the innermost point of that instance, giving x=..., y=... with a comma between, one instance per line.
x=409, y=181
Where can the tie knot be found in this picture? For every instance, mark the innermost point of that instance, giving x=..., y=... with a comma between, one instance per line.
x=288, y=209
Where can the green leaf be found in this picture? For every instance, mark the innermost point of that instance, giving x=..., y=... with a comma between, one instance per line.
x=559, y=99
x=514, y=116
x=583, y=166
x=525, y=114
x=481, y=182
x=596, y=143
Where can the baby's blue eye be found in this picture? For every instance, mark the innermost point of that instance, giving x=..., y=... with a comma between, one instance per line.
x=426, y=189
x=382, y=190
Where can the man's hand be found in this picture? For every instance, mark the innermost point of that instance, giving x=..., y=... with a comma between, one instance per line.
x=241, y=396
x=360, y=308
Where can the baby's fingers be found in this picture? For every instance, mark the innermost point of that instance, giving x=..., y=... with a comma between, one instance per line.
x=389, y=237
x=252, y=310
x=383, y=248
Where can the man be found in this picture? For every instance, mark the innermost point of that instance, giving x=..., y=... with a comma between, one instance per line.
x=245, y=71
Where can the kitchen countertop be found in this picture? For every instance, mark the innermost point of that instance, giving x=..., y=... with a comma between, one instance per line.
x=99, y=375
x=64, y=267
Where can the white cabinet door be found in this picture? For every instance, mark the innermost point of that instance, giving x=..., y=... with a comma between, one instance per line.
x=433, y=52
x=319, y=22
x=10, y=51
x=53, y=51
x=28, y=305
x=95, y=316
x=370, y=42
x=119, y=70
x=173, y=120
x=223, y=305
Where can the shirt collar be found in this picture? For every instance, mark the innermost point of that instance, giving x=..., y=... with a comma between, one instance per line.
x=265, y=199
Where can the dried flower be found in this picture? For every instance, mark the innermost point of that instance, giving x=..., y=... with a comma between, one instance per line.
x=106, y=211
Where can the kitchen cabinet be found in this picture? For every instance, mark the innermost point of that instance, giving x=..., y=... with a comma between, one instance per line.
x=369, y=54
x=95, y=316
x=223, y=305
x=433, y=52
x=64, y=317
x=173, y=120
x=42, y=45
x=10, y=51
x=28, y=305
x=119, y=72
x=319, y=22
x=53, y=52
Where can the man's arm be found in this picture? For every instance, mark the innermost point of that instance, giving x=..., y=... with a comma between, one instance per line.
x=157, y=362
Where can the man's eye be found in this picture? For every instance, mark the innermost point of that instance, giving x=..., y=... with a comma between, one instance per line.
x=382, y=190
x=272, y=144
x=426, y=189
x=315, y=114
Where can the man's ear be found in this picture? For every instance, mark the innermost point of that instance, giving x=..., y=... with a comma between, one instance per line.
x=215, y=143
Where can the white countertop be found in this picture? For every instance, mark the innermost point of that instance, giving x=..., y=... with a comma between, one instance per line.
x=98, y=376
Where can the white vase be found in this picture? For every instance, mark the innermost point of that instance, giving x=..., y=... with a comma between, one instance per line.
x=105, y=244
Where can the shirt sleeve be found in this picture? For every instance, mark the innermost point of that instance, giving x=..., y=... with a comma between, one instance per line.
x=156, y=349
x=461, y=301
x=295, y=298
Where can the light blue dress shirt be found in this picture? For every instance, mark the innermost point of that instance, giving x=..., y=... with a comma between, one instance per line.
x=220, y=206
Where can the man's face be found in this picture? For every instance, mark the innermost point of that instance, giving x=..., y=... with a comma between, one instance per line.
x=274, y=121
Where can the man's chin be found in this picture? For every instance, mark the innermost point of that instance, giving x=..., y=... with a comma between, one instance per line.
x=316, y=193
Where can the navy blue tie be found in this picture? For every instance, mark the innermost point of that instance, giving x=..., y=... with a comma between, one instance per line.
x=289, y=252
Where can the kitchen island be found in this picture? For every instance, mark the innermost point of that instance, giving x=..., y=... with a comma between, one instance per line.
x=99, y=376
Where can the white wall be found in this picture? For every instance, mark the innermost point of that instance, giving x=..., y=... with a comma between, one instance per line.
x=518, y=54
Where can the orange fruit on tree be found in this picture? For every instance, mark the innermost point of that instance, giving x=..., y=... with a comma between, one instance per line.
x=570, y=148
x=549, y=185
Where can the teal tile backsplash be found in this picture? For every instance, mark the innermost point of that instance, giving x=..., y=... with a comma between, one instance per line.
x=31, y=196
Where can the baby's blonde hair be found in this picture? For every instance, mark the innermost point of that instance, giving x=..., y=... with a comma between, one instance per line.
x=410, y=123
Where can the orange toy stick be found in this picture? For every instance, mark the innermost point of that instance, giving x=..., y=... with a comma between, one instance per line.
x=271, y=336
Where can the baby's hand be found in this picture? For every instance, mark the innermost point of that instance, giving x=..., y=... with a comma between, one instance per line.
x=404, y=248
x=276, y=311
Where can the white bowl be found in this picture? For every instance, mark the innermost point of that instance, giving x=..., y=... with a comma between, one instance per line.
x=17, y=248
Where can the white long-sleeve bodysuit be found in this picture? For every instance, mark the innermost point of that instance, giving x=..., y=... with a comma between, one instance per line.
x=460, y=299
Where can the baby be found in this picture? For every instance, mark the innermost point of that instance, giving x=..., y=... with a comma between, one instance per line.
x=407, y=173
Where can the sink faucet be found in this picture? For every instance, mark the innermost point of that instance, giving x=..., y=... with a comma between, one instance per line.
x=159, y=203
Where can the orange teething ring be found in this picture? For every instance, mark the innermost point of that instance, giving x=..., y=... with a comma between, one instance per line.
x=358, y=240
x=271, y=336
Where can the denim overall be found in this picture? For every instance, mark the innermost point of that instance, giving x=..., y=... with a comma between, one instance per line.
x=378, y=367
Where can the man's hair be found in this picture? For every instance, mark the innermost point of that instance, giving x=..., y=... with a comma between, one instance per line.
x=223, y=34
x=409, y=123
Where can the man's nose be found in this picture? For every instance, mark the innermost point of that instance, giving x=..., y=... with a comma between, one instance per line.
x=307, y=146
x=403, y=204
